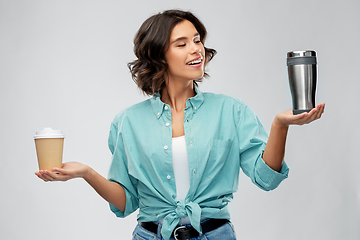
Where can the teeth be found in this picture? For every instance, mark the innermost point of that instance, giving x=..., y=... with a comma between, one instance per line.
x=195, y=61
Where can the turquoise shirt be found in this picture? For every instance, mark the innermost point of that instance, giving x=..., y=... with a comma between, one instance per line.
x=222, y=135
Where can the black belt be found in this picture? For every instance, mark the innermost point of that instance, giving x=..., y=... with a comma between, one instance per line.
x=183, y=232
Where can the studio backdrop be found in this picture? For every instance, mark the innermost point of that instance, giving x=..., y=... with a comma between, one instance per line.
x=63, y=64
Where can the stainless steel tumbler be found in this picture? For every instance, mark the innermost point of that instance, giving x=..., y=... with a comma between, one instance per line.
x=302, y=71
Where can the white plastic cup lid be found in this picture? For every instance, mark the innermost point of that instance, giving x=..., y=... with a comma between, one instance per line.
x=49, y=133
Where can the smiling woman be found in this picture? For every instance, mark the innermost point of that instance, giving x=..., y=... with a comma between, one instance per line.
x=155, y=37
x=177, y=156
x=184, y=56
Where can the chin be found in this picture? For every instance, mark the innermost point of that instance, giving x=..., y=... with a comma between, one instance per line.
x=198, y=76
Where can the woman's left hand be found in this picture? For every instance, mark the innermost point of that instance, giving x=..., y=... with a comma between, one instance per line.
x=288, y=118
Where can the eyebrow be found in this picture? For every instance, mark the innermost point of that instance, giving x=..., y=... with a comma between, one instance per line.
x=184, y=38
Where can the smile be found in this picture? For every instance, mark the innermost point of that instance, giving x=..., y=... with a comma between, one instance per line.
x=196, y=62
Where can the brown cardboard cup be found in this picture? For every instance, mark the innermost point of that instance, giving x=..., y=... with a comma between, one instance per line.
x=49, y=148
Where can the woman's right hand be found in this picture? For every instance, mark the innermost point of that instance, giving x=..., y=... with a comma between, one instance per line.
x=112, y=192
x=68, y=171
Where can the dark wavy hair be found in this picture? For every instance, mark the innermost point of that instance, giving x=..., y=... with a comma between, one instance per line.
x=150, y=44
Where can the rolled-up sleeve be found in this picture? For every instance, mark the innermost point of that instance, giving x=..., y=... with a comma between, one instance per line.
x=268, y=179
x=119, y=172
x=252, y=141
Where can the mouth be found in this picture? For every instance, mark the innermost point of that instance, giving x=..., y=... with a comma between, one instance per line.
x=195, y=62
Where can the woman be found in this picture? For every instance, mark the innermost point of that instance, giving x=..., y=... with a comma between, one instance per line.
x=177, y=155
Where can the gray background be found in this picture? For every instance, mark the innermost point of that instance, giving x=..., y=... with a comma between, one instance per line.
x=63, y=65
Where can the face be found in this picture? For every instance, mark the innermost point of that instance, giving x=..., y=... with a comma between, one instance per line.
x=186, y=54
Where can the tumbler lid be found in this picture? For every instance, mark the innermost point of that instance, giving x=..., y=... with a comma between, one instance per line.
x=49, y=133
x=307, y=53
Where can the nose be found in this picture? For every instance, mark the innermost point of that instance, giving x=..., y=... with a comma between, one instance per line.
x=196, y=49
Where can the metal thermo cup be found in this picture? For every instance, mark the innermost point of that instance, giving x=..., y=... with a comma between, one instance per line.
x=302, y=79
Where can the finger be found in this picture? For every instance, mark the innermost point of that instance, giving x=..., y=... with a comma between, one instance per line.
x=39, y=175
x=313, y=112
x=322, y=108
x=60, y=174
x=63, y=174
x=60, y=170
x=45, y=176
x=304, y=118
x=56, y=176
x=314, y=115
x=311, y=116
x=50, y=176
x=321, y=105
x=299, y=117
x=320, y=111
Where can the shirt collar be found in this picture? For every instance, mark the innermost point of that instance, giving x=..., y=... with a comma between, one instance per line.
x=194, y=102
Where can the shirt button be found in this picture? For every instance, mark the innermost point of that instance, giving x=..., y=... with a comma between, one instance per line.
x=166, y=107
x=194, y=171
x=165, y=147
x=168, y=176
x=195, y=108
x=158, y=113
x=167, y=124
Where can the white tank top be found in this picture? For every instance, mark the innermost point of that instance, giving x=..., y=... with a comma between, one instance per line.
x=181, y=167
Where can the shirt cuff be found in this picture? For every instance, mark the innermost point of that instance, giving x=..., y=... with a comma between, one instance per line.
x=267, y=178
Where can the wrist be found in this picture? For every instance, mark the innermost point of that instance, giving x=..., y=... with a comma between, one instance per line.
x=87, y=173
x=279, y=125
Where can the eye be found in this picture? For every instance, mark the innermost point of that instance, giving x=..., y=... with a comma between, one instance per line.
x=181, y=45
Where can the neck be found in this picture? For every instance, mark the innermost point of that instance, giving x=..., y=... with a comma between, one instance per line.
x=175, y=94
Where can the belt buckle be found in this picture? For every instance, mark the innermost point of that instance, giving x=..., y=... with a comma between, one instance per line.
x=176, y=229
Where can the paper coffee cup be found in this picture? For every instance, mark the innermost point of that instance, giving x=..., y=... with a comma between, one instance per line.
x=49, y=145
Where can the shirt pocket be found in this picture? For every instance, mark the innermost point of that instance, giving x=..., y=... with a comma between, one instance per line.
x=219, y=152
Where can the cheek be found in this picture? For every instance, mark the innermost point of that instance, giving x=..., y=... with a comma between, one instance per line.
x=203, y=51
x=174, y=60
